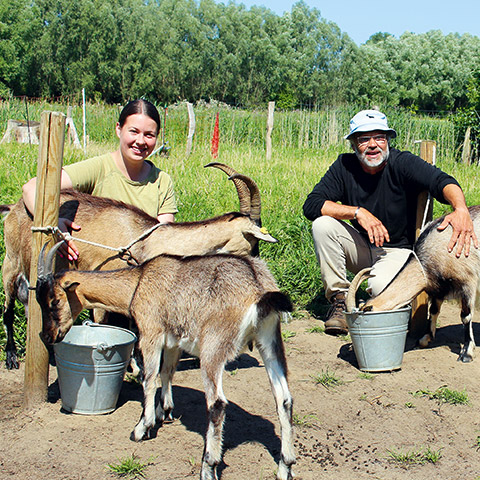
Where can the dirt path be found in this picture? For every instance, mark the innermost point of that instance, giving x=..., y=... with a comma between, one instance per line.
x=343, y=432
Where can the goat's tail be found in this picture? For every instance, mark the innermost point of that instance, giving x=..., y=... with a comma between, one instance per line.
x=5, y=210
x=270, y=301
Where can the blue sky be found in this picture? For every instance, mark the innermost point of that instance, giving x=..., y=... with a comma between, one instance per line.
x=360, y=20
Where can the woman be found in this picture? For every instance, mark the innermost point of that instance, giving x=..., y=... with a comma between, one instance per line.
x=124, y=174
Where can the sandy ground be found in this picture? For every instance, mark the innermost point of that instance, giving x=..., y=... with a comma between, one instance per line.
x=342, y=432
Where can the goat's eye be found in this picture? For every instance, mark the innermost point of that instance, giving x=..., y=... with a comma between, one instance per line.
x=55, y=302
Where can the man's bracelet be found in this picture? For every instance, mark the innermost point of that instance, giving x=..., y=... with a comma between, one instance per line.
x=356, y=213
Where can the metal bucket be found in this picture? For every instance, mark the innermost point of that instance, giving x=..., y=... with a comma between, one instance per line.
x=91, y=362
x=379, y=338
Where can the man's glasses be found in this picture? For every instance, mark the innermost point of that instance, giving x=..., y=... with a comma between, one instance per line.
x=379, y=139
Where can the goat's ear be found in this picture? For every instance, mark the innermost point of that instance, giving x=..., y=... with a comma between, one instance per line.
x=69, y=286
x=262, y=234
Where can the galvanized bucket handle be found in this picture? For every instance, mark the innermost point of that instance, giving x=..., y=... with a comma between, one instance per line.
x=101, y=347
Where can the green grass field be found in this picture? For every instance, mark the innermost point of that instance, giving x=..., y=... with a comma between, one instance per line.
x=304, y=145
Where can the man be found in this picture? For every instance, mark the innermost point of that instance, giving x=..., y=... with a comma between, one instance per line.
x=376, y=188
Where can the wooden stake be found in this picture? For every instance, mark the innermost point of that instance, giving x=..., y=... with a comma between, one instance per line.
x=467, y=148
x=271, y=108
x=72, y=134
x=47, y=197
x=418, y=322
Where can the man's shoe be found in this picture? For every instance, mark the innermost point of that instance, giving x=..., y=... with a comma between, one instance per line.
x=335, y=323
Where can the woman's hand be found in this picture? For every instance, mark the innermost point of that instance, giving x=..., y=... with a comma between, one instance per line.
x=68, y=248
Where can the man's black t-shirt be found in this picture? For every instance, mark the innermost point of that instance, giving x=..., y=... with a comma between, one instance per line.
x=390, y=195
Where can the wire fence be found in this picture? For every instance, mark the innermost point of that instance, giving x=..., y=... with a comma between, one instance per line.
x=312, y=128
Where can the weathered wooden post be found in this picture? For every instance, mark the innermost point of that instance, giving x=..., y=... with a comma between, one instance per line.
x=418, y=322
x=191, y=128
x=47, y=197
x=22, y=132
x=72, y=134
x=271, y=109
x=467, y=148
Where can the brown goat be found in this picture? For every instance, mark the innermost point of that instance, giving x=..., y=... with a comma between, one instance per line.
x=212, y=307
x=116, y=224
x=439, y=273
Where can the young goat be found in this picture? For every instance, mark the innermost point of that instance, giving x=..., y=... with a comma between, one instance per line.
x=236, y=232
x=211, y=307
x=437, y=272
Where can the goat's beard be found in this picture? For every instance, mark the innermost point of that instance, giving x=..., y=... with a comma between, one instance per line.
x=376, y=163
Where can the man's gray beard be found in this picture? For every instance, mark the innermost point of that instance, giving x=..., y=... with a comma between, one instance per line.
x=369, y=164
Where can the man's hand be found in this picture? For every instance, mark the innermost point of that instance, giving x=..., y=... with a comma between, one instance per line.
x=68, y=249
x=463, y=233
x=377, y=233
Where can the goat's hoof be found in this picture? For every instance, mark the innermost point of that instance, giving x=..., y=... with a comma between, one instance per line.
x=465, y=358
x=11, y=361
x=134, y=438
x=424, y=341
x=168, y=417
x=285, y=473
x=208, y=473
x=140, y=437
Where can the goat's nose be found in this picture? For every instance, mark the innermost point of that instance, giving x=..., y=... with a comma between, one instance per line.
x=46, y=338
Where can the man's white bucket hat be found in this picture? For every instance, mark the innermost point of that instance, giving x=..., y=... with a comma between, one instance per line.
x=368, y=121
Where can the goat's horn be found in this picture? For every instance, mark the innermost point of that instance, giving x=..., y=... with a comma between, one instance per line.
x=41, y=261
x=243, y=191
x=362, y=275
x=255, y=203
x=45, y=265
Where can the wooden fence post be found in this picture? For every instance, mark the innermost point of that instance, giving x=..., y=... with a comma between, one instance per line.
x=47, y=197
x=72, y=134
x=191, y=128
x=467, y=148
x=271, y=108
x=418, y=322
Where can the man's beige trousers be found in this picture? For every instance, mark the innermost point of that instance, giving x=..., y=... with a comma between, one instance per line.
x=340, y=247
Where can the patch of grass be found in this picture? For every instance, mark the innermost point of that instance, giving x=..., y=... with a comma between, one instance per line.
x=432, y=456
x=130, y=377
x=327, y=379
x=287, y=335
x=300, y=313
x=476, y=445
x=315, y=329
x=445, y=395
x=366, y=376
x=415, y=457
x=129, y=467
x=308, y=420
x=409, y=405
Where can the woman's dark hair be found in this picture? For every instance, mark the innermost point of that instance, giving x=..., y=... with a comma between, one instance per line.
x=139, y=106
